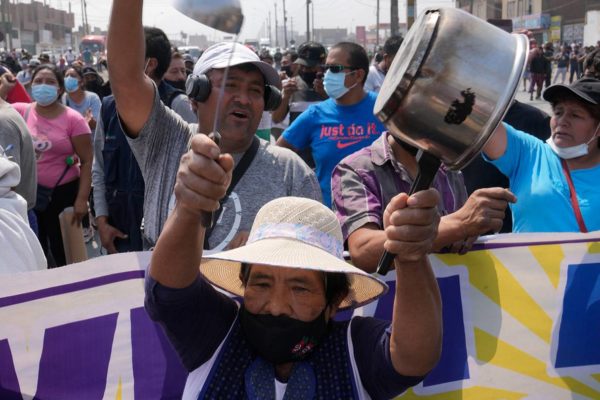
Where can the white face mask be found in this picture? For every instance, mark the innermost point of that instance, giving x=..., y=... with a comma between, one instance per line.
x=568, y=153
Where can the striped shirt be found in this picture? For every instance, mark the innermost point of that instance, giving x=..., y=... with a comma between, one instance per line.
x=363, y=184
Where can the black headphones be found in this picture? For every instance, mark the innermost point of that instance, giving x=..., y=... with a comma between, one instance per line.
x=198, y=88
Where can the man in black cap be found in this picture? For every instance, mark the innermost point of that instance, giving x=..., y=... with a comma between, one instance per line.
x=303, y=89
x=306, y=87
x=95, y=83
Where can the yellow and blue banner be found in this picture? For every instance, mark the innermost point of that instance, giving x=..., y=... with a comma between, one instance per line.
x=521, y=321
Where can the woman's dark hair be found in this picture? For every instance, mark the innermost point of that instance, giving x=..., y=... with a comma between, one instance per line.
x=159, y=47
x=357, y=56
x=337, y=284
x=54, y=70
x=78, y=70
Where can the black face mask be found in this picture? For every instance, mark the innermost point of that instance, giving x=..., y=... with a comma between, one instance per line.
x=308, y=77
x=282, y=339
x=93, y=86
x=287, y=69
x=176, y=84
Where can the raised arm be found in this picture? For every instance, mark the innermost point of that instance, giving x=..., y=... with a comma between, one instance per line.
x=202, y=180
x=133, y=90
x=411, y=225
x=496, y=146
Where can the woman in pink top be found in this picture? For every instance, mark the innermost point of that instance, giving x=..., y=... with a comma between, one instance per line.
x=60, y=134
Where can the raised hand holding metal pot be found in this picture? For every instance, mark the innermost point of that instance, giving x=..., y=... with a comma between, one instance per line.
x=411, y=225
x=203, y=177
x=434, y=96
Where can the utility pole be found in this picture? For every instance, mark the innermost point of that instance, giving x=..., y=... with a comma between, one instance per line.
x=276, y=28
x=313, y=19
x=377, y=28
x=285, y=41
x=84, y=17
x=307, y=20
x=291, y=28
x=394, y=16
x=270, y=29
x=410, y=13
x=4, y=30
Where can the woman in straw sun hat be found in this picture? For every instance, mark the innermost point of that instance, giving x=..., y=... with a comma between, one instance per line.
x=281, y=341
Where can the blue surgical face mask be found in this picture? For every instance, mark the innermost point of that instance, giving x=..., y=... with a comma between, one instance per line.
x=44, y=94
x=334, y=84
x=568, y=153
x=71, y=84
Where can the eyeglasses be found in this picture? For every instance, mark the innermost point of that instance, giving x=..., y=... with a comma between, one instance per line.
x=336, y=68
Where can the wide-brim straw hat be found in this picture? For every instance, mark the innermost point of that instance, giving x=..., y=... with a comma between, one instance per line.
x=293, y=232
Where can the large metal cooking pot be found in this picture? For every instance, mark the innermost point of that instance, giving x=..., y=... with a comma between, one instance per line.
x=447, y=90
x=451, y=83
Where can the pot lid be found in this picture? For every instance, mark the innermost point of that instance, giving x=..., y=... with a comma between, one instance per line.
x=406, y=65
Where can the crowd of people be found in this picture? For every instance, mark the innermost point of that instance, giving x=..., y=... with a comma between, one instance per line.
x=554, y=59
x=254, y=173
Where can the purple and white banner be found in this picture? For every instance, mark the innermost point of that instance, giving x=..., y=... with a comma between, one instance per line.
x=521, y=320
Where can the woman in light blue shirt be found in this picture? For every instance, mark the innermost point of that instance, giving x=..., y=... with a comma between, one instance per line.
x=557, y=182
x=76, y=97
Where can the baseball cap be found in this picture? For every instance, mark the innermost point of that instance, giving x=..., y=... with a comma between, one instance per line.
x=222, y=55
x=587, y=89
x=311, y=54
x=89, y=71
x=188, y=58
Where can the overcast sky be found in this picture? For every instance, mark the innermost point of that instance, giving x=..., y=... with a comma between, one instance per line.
x=328, y=14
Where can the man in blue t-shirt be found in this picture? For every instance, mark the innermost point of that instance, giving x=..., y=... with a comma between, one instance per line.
x=342, y=124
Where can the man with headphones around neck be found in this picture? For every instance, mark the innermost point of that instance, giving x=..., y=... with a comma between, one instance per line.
x=159, y=138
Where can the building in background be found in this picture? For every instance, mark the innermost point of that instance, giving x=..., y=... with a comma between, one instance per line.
x=556, y=21
x=484, y=9
x=573, y=22
x=36, y=27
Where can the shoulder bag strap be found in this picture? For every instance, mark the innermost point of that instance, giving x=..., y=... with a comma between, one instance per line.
x=573, y=195
x=238, y=172
x=27, y=110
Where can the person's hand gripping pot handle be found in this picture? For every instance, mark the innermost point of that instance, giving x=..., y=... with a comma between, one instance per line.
x=203, y=178
x=411, y=225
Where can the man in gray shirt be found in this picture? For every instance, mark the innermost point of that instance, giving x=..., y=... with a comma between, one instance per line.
x=17, y=142
x=159, y=138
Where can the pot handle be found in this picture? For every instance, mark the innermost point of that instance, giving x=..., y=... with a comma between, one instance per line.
x=428, y=168
x=207, y=219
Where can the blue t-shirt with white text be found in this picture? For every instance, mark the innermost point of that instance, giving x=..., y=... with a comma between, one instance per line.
x=332, y=132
